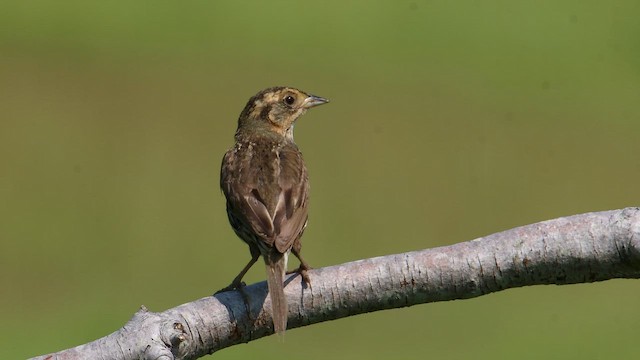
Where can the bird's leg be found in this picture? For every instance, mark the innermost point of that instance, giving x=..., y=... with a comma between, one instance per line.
x=304, y=266
x=237, y=282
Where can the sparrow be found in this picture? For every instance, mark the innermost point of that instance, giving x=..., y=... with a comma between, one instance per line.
x=266, y=185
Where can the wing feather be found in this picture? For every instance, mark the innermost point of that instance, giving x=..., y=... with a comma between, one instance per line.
x=267, y=191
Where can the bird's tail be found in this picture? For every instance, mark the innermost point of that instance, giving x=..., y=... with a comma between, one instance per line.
x=276, y=266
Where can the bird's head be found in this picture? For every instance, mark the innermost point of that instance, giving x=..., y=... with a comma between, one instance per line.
x=275, y=110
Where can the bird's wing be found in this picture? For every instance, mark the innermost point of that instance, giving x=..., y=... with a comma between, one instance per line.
x=244, y=203
x=268, y=193
x=290, y=216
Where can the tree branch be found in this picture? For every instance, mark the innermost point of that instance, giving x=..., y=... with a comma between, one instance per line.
x=577, y=249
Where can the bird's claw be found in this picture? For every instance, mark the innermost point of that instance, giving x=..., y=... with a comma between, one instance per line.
x=302, y=270
x=231, y=287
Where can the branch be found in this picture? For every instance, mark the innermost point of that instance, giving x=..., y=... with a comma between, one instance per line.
x=577, y=249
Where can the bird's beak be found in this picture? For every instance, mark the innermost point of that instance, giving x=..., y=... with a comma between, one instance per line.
x=312, y=101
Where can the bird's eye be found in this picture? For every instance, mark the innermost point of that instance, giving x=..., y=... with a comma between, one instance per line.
x=289, y=100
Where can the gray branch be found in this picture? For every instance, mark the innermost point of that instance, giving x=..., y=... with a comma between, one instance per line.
x=576, y=249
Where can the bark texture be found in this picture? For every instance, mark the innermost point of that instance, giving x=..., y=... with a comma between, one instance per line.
x=576, y=249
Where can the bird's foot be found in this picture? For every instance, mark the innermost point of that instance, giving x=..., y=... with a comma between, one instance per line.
x=233, y=286
x=302, y=270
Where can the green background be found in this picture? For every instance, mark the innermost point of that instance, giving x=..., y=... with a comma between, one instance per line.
x=448, y=121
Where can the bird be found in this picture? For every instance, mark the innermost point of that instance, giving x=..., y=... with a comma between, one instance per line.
x=265, y=182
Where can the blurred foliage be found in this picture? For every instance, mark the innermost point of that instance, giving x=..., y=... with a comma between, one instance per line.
x=448, y=121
